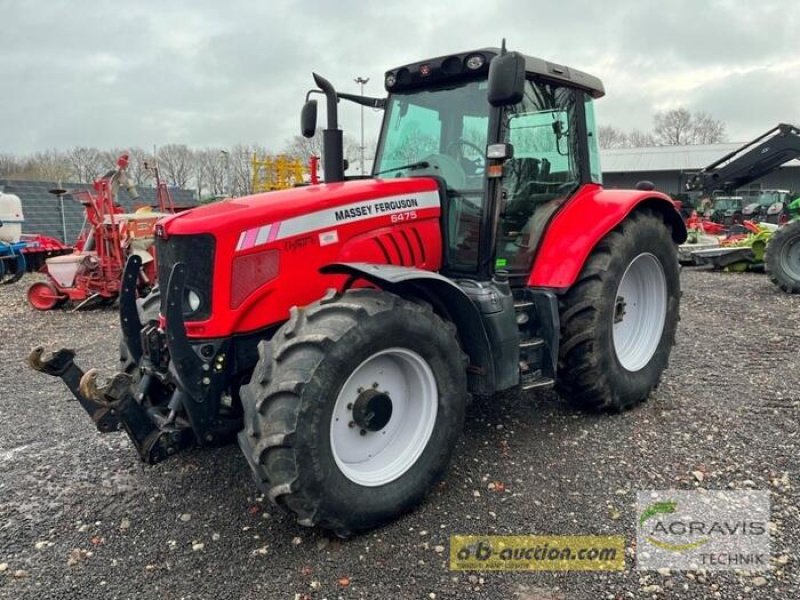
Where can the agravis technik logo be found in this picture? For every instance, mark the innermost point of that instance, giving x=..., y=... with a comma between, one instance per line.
x=666, y=508
x=709, y=529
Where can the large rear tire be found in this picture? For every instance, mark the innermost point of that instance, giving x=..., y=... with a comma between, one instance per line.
x=782, y=259
x=618, y=320
x=354, y=409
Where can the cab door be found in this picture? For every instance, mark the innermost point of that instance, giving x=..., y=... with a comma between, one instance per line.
x=548, y=130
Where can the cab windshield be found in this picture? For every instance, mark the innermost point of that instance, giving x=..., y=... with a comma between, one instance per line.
x=438, y=132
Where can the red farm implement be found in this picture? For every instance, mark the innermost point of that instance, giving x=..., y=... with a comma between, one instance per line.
x=94, y=271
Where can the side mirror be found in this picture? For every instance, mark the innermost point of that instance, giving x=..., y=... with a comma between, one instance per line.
x=506, y=79
x=308, y=119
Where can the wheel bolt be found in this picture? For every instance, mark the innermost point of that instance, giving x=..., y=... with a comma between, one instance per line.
x=349, y=406
x=375, y=385
x=363, y=432
x=351, y=424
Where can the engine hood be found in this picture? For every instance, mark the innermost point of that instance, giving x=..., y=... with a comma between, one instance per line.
x=235, y=214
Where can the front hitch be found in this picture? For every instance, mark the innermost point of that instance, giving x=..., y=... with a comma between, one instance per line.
x=113, y=406
x=61, y=364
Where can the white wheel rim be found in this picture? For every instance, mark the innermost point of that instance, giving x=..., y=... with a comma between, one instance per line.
x=640, y=312
x=378, y=457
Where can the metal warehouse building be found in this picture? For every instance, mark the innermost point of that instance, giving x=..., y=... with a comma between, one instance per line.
x=669, y=167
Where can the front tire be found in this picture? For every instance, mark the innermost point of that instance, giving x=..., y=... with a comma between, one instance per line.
x=618, y=320
x=148, y=308
x=782, y=259
x=354, y=409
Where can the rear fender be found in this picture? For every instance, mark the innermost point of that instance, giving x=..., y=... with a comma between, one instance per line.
x=447, y=299
x=586, y=219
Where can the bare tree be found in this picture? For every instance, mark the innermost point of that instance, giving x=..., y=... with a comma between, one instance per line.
x=239, y=166
x=674, y=127
x=304, y=148
x=175, y=164
x=138, y=174
x=611, y=137
x=10, y=165
x=708, y=130
x=640, y=139
x=211, y=164
x=85, y=163
x=209, y=172
x=679, y=127
x=48, y=165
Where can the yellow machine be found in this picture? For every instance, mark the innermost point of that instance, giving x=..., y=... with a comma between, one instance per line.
x=276, y=173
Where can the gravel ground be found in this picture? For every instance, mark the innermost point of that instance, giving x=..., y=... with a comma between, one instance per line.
x=80, y=516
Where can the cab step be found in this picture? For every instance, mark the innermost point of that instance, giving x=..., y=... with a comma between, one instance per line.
x=531, y=343
x=534, y=380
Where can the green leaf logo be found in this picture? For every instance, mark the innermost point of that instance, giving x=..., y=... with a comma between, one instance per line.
x=658, y=508
x=667, y=507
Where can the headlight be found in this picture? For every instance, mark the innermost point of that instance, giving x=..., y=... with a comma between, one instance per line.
x=192, y=301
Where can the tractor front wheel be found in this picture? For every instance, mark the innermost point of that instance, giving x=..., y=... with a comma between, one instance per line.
x=618, y=320
x=782, y=258
x=354, y=409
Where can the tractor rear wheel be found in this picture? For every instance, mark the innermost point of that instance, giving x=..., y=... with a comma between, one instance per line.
x=354, y=409
x=618, y=320
x=782, y=258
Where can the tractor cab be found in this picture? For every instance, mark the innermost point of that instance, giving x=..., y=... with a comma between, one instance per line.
x=509, y=146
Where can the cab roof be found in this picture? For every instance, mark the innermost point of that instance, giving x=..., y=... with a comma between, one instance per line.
x=455, y=67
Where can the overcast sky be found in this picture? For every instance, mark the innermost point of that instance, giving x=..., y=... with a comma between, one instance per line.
x=221, y=72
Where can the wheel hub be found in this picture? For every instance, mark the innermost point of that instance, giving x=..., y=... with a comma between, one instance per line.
x=379, y=430
x=619, y=309
x=372, y=410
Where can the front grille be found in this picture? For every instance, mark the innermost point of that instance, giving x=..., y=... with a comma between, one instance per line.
x=197, y=253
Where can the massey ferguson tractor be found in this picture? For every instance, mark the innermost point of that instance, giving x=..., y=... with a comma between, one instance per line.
x=340, y=329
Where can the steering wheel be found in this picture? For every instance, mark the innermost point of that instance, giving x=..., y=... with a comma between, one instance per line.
x=476, y=165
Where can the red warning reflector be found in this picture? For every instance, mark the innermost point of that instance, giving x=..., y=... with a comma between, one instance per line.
x=425, y=70
x=494, y=171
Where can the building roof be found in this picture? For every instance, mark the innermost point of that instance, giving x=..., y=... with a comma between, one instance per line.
x=43, y=214
x=667, y=158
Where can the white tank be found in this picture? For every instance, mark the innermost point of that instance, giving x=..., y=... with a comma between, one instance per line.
x=10, y=218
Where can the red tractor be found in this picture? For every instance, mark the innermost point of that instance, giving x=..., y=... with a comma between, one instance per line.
x=339, y=329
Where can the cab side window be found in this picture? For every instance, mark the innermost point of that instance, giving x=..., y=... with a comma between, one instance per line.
x=543, y=171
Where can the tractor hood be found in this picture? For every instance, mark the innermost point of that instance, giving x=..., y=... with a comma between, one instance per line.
x=240, y=214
